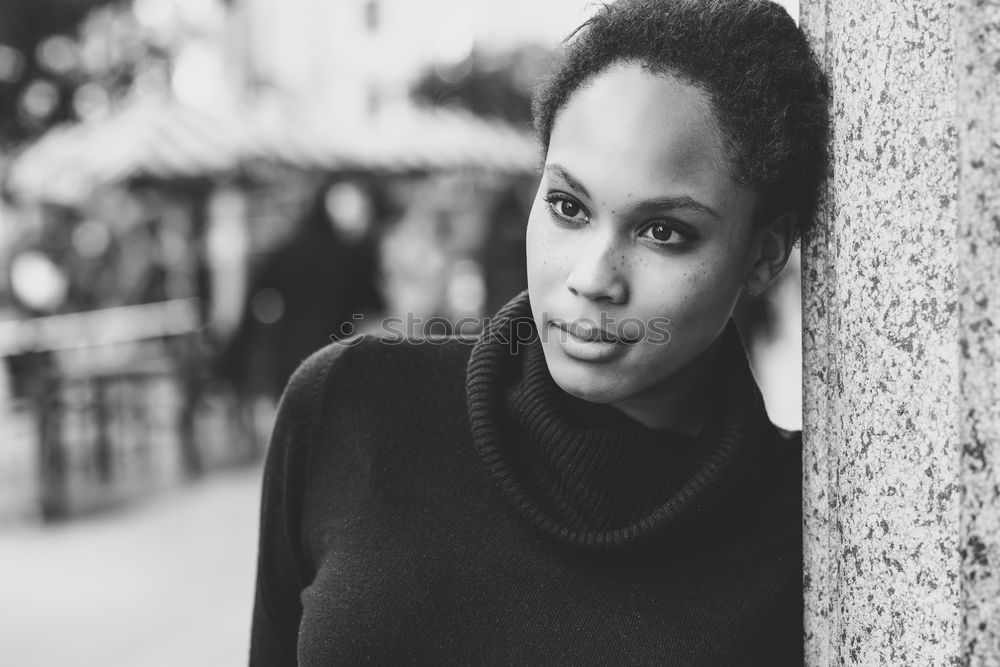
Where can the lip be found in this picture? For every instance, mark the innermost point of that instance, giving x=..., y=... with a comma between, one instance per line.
x=589, y=344
x=590, y=334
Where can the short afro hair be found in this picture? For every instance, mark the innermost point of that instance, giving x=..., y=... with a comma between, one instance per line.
x=768, y=91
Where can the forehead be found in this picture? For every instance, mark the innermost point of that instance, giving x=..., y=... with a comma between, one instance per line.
x=647, y=130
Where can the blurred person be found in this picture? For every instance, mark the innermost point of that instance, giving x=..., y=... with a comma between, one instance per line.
x=306, y=292
x=414, y=259
x=595, y=479
x=503, y=252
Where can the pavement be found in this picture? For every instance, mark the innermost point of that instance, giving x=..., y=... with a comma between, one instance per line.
x=165, y=581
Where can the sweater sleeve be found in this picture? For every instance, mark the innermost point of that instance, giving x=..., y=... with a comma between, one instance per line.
x=282, y=568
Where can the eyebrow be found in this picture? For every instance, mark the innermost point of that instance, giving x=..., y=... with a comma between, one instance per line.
x=682, y=202
x=569, y=178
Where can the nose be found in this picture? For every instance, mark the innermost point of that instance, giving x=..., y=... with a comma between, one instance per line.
x=596, y=273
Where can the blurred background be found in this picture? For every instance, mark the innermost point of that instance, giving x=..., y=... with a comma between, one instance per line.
x=196, y=194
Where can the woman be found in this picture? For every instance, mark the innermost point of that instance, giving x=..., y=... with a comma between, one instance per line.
x=595, y=480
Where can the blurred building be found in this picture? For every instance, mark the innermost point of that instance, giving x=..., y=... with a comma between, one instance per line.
x=354, y=56
x=157, y=253
x=149, y=246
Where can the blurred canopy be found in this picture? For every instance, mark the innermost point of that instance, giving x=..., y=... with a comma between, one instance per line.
x=170, y=141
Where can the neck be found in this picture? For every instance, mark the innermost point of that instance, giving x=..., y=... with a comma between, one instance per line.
x=680, y=403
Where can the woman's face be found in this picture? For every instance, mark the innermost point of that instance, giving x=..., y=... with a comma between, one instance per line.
x=638, y=241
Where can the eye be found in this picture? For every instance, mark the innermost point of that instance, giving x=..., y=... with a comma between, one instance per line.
x=662, y=233
x=565, y=208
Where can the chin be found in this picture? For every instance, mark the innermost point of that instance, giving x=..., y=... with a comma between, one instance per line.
x=586, y=386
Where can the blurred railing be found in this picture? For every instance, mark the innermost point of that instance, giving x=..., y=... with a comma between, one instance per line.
x=123, y=402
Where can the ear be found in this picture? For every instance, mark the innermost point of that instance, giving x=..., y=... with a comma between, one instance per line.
x=772, y=244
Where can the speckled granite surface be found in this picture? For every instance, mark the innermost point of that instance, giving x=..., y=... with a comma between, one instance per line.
x=978, y=68
x=902, y=349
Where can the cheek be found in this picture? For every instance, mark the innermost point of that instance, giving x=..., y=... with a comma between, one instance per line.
x=713, y=285
x=694, y=288
x=711, y=288
x=542, y=251
x=731, y=266
x=724, y=266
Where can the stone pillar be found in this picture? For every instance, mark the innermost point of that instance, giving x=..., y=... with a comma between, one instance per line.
x=901, y=314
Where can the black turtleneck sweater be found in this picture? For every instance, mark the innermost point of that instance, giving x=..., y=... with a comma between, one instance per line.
x=439, y=502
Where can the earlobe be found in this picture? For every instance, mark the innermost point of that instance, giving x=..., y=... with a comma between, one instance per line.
x=751, y=291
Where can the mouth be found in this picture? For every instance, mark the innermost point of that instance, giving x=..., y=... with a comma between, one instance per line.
x=591, y=334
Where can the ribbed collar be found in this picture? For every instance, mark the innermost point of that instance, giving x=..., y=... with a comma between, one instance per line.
x=586, y=474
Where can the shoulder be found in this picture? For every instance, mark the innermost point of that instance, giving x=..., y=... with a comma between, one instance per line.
x=367, y=369
x=790, y=437
x=369, y=406
x=786, y=446
x=782, y=463
x=361, y=386
x=374, y=356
